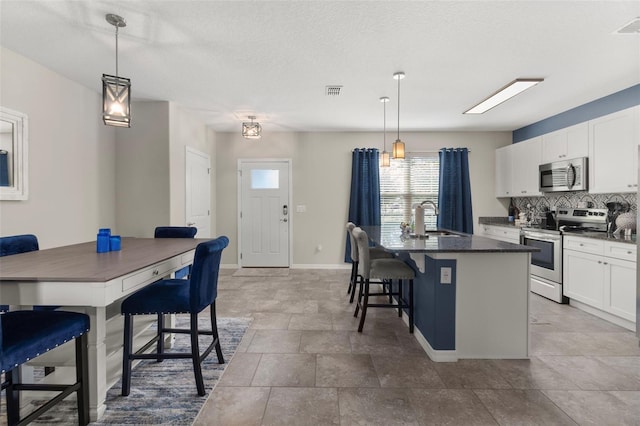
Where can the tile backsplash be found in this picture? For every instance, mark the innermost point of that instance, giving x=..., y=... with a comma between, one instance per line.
x=571, y=199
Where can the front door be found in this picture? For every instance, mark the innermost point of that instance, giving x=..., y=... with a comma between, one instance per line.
x=198, y=192
x=264, y=213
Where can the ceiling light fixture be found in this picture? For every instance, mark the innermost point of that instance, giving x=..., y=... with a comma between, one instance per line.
x=398, y=145
x=507, y=92
x=386, y=157
x=116, y=91
x=251, y=130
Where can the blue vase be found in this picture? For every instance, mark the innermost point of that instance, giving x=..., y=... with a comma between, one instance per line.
x=102, y=245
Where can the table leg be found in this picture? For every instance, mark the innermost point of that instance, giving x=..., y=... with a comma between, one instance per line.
x=97, y=362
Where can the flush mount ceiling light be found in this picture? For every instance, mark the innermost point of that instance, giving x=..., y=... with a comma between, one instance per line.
x=116, y=91
x=386, y=158
x=398, y=145
x=507, y=92
x=251, y=130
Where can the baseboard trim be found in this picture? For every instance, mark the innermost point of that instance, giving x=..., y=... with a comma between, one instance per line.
x=622, y=322
x=435, y=354
x=341, y=266
x=319, y=266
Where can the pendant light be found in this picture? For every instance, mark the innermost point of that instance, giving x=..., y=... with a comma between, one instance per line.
x=386, y=158
x=251, y=130
x=116, y=91
x=398, y=145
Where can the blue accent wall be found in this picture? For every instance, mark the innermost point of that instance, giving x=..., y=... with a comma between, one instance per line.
x=435, y=304
x=618, y=101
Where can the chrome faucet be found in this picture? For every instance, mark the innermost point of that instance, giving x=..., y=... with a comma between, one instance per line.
x=435, y=208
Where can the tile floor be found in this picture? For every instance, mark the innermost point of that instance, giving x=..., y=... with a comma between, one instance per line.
x=302, y=362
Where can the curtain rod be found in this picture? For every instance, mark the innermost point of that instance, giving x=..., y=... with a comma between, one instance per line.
x=430, y=152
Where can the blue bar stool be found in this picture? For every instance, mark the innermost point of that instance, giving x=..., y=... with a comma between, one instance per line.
x=177, y=232
x=175, y=296
x=25, y=335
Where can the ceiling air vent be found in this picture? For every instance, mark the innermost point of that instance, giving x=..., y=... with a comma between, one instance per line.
x=332, y=90
x=632, y=27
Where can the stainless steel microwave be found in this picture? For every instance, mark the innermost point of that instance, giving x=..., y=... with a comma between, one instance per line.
x=566, y=175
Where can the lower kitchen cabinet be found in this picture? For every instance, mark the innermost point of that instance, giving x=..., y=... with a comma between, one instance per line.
x=508, y=233
x=583, y=277
x=593, y=277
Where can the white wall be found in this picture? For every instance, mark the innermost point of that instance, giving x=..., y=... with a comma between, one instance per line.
x=150, y=166
x=71, y=156
x=142, y=170
x=185, y=130
x=321, y=182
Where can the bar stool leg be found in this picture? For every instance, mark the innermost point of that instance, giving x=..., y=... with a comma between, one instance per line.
x=355, y=314
x=410, y=306
x=365, y=303
x=400, y=296
x=355, y=282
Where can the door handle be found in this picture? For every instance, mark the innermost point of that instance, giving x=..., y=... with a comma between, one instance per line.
x=285, y=209
x=284, y=220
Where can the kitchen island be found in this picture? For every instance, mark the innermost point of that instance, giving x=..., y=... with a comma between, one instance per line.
x=471, y=293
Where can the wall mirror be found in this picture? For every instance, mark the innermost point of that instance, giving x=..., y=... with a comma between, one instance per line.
x=14, y=141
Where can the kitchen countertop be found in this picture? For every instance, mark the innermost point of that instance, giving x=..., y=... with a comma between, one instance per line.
x=391, y=238
x=503, y=221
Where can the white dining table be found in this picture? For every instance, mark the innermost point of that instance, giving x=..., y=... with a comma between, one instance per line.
x=78, y=278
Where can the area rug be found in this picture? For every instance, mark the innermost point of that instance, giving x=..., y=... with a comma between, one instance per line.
x=261, y=272
x=163, y=393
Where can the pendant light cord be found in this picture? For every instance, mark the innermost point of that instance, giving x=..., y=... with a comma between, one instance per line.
x=399, y=107
x=116, y=50
x=384, y=127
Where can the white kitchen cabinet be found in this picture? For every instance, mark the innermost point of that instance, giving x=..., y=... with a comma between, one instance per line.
x=613, y=155
x=517, y=169
x=509, y=234
x=620, y=288
x=564, y=144
x=526, y=158
x=583, y=277
x=503, y=172
x=601, y=275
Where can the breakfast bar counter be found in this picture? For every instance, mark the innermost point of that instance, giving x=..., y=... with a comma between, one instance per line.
x=471, y=293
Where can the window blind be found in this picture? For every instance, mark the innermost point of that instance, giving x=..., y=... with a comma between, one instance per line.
x=406, y=183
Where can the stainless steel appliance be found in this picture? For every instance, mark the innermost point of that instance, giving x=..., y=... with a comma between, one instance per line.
x=566, y=175
x=546, y=265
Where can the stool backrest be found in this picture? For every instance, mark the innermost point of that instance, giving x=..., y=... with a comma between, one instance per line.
x=362, y=241
x=204, y=274
x=175, y=232
x=354, y=246
x=18, y=244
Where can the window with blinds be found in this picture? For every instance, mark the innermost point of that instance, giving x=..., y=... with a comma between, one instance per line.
x=406, y=183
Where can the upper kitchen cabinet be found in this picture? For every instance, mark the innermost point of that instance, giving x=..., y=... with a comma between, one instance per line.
x=564, y=144
x=503, y=172
x=517, y=169
x=613, y=152
x=526, y=157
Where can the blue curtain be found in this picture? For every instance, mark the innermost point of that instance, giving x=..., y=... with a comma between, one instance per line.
x=454, y=198
x=364, y=203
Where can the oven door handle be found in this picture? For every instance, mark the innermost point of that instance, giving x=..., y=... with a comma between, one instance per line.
x=541, y=237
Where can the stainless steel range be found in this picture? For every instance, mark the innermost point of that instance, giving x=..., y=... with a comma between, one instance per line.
x=546, y=265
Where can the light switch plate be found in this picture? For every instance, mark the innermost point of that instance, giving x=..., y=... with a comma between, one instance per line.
x=301, y=208
x=445, y=275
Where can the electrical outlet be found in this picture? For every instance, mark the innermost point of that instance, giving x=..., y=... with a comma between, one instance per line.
x=445, y=275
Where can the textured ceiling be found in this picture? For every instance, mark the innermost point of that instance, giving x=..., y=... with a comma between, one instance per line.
x=273, y=59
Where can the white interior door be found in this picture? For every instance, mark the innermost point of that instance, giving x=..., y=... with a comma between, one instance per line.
x=264, y=213
x=198, y=192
